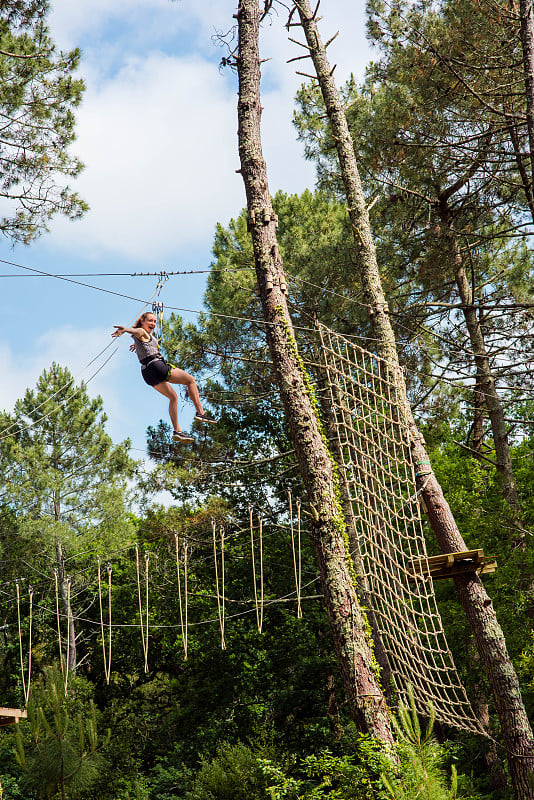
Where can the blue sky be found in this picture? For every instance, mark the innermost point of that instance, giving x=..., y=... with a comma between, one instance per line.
x=157, y=133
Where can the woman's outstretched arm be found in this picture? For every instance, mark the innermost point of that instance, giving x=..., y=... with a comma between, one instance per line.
x=139, y=333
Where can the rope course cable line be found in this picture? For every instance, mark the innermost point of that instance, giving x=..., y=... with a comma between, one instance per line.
x=297, y=561
x=289, y=597
x=26, y=677
x=183, y=604
x=58, y=620
x=208, y=312
x=67, y=659
x=100, y=625
x=183, y=625
x=384, y=513
x=220, y=592
x=106, y=654
x=5, y=431
x=143, y=624
x=266, y=512
x=259, y=606
x=140, y=300
x=168, y=273
x=5, y=434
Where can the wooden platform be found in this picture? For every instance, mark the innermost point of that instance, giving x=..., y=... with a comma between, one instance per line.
x=449, y=564
x=11, y=716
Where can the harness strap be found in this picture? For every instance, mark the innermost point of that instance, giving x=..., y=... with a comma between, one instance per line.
x=148, y=359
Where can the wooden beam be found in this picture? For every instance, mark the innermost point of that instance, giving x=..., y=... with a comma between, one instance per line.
x=448, y=564
x=10, y=716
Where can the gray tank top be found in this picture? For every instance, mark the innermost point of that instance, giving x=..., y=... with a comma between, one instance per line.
x=146, y=349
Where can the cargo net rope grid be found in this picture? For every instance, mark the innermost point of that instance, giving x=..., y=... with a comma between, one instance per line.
x=384, y=518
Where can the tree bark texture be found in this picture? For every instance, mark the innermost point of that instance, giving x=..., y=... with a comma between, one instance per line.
x=489, y=639
x=483, y=368
x=67, y=608
x=515, y=727
x=63, y=584
x=519, y=159
x=476, y=434
x=526, y=15
x=494, y=763
x=347, y=621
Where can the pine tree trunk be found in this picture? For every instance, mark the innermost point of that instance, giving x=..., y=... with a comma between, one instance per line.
x=63, y=587
x=498, y=779
x=488, y=636
x=526, y=182
x=484, y=376
x=477, y=430
x=67, y=608
x=329, y=536
x=527, y=43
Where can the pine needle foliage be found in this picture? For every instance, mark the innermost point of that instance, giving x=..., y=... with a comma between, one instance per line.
x=234, y=774
x=421, y=775
x=62, y=754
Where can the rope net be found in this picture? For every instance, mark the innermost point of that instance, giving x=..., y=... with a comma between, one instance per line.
x=385, y=528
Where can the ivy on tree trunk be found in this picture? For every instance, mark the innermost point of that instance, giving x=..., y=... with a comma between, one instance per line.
x=328, y=531
x=515, y=726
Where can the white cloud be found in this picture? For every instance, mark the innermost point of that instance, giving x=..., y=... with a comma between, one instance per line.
x=159, y=144
x=157, y=131
x=71, y=22
x=158, y=134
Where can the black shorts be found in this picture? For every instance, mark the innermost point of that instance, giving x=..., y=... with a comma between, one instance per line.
x=156, y=372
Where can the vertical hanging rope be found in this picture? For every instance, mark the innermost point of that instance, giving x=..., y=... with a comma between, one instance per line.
x=25, y=683
x=299, y=581
x=109, y=620
x=259, y=608
x=260, y=531
x=220, y=596
x=107, y=656
x=147, y=561
x=223, y=641
x=144, y=633
x=58, y=622
x=68, y=641
x=183, y=611
x=296, y=569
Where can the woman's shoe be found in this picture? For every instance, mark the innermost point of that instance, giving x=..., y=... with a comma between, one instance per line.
x=180, y=436
x=205, y=417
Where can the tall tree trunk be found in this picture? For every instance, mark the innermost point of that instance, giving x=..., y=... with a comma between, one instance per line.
x=516, y=731
x=488, y=637
x=527, y=44
x=64, y=591
x=494, y=764
x=67, y=608
x=328, y=530
x=483, y=368
x=526, y=182
x=476, y=434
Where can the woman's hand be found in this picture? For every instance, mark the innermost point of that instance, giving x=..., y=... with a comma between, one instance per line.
x=120, y=330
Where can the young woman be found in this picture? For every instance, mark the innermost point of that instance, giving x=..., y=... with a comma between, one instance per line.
x=157, y=373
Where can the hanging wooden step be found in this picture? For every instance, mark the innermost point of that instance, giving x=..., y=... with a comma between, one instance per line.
x=447, y=565
x=11, y=716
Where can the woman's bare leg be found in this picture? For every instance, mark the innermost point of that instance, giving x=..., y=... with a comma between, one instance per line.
x=168, y=391
x=182, y=377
